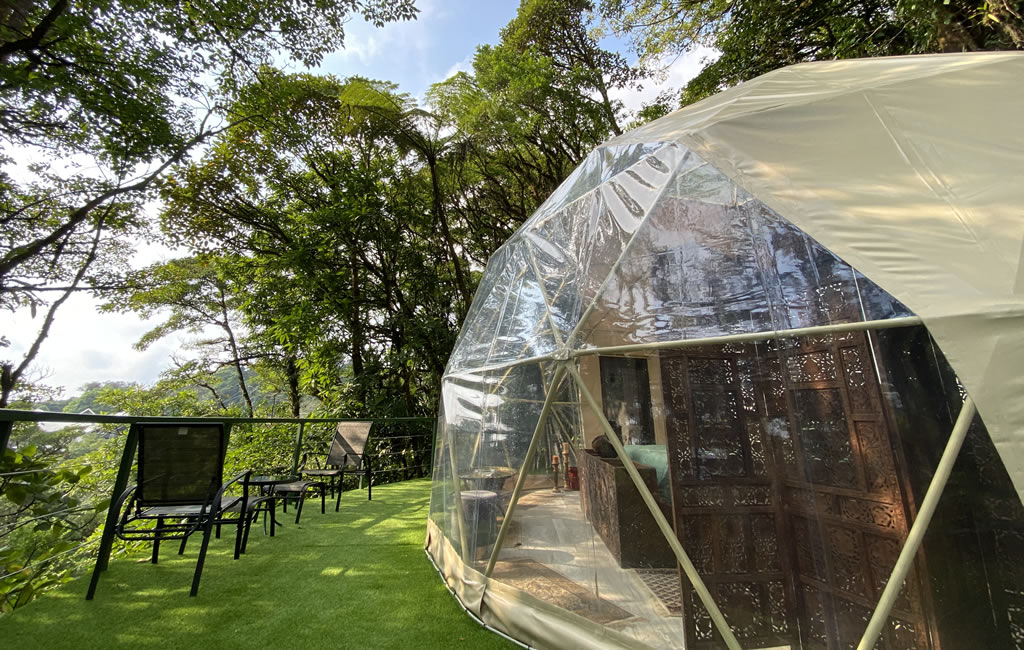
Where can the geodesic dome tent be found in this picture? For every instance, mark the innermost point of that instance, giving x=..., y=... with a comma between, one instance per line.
x=720, y=389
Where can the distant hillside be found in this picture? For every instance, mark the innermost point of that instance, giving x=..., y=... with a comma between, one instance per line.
x=225, y=382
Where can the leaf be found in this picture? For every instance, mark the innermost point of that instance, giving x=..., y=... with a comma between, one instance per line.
x=16, y=494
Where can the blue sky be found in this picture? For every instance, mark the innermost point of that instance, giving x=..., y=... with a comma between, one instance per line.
x=418, y=53
x=87, y=346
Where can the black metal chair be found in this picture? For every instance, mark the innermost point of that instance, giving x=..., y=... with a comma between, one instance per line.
x=297, y=491
x=252, y=502
x=345, y=456
x=180, y=491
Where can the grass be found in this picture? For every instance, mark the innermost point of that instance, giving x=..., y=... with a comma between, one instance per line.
x=358, y=578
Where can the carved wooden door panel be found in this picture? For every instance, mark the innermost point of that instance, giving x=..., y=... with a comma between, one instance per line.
x=842, y=493
x=725, y=499
x=787, y=493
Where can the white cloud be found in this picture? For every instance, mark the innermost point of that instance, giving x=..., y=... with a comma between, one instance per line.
x=679, y=71
x=84, y=345
x=369, y=49
x=465, y=65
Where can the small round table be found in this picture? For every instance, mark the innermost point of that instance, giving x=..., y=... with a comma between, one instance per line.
x=266, y=484
x=290, y=487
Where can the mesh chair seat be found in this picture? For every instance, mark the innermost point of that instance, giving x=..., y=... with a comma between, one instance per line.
x=235, y=505
x=294, y=486
x=296, y=491
x=322, y=472
x=174, y=511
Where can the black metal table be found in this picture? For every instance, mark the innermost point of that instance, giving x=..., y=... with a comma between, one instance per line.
x=285, y=487
x=266, y=483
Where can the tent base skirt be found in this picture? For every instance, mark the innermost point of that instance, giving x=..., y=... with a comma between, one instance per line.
x=514, y=613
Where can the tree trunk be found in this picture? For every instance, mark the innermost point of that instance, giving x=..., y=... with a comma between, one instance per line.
x=355, y=320
x=609, y=111
x=235, y=356
x=292, y=370
x=442, y=221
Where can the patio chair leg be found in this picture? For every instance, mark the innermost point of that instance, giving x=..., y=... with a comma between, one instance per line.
x=298, y=510
x=253, y=517
x=207, y=530
x=323, y=499
x=243, y=522
x=245, y=535
x=337, y=504
x=273, y=516
x=181, y=549
x=156, y=541
x=101, y=560
x=218, y=531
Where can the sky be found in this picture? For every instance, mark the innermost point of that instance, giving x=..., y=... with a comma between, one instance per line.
x=86, y=346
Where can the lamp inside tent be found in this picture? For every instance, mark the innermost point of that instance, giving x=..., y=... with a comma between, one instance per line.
x=752, y=377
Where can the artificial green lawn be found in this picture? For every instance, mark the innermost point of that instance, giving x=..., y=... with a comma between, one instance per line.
x=353, y=579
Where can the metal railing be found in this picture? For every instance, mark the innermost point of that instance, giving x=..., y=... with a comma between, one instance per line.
x=401, y=448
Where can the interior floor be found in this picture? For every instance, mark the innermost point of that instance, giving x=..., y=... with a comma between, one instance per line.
x=550, y=529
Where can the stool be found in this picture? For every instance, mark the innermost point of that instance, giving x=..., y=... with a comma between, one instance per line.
x=296, y=491
x=480, y=514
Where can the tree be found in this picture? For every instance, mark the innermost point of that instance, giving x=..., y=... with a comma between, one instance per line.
x=560, y=32
x=757, y=36
x=534, y=106
x=199, y=294
x=105, y=96
x=347, y=275
x=414, y=130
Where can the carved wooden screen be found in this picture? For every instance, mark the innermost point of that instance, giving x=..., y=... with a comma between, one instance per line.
x=787, y=493
x=725, y=501
x=843, y=493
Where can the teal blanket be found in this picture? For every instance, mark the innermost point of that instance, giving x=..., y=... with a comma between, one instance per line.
x=657, y=457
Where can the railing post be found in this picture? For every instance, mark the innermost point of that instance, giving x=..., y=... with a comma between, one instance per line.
x=298, y=448
x=120, y=483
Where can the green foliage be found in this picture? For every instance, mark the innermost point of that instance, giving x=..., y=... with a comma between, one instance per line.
x=343, y=282
x=757, y=36
x=98, y=98
x=46, y=514
x=108, y=71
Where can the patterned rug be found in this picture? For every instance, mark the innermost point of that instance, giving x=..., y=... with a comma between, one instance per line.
x=541, y=582
x=666, y=586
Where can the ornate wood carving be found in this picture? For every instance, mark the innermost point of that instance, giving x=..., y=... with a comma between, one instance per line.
x=786, y=493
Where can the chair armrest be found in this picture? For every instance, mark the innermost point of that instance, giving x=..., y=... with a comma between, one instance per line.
x=124, y=497
x=319, y=460
x=243, y=478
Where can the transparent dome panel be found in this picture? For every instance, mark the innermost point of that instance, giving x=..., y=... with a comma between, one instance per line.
x=580, y=536
x=725, y=264
x=474, y=341
x=513, y=321
x=503, y=410
x=624, y=201
x=560, y=245
x=600, y=165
